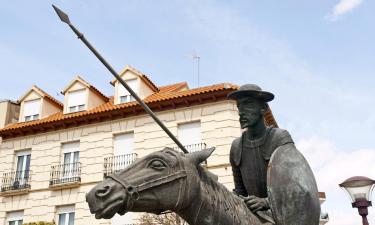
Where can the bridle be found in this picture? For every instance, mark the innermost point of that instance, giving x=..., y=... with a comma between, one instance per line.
x=133, y=190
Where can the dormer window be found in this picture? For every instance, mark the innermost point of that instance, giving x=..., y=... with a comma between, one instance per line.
x=124, y=95
x=31, y=110
x=76, y=101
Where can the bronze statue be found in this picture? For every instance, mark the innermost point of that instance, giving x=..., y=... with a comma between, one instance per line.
x=254, y=177
x=170, y=180
x=271, y=176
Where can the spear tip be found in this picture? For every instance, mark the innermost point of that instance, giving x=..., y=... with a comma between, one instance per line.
x=63, y=16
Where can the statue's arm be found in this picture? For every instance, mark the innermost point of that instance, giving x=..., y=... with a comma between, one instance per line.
x=239, y=188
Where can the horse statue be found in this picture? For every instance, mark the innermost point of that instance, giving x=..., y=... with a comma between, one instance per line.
x=170, y=180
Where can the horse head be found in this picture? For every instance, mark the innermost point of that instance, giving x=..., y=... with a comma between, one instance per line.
x=160, y=181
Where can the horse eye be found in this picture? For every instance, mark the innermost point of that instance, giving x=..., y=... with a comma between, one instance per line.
x=157, y=164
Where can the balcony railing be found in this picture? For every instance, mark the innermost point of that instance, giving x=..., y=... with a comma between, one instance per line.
x=15, y=180
x=65, y=173
x=193, y=147
x=116, y=163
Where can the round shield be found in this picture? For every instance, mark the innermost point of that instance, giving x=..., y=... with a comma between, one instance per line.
x=292, y=190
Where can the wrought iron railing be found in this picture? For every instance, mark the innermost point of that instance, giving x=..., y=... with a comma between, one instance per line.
x=194, y=147
x=116, y=163
x=65, y=173
x=15, y=180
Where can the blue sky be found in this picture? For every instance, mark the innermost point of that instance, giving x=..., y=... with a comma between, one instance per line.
x=318, y=57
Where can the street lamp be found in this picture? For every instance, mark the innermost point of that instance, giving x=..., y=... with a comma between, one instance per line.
x=359, y=190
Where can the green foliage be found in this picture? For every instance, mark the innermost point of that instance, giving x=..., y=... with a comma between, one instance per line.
x=163, y=219
x=40, y=223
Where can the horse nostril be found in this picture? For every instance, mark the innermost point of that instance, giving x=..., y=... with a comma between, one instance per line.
x=102, y=192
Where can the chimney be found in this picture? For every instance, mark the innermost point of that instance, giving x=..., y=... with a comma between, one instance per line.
x=9, y=112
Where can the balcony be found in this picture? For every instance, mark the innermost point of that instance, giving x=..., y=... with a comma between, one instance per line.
x=65, y=175
x=116, y=163
x=15, y=182
x=193, y=147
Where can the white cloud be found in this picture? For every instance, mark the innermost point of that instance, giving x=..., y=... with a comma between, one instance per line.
x=332, y=166
x=343, y=7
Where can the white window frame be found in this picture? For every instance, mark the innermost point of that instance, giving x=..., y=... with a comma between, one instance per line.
x=15, y=216
x=74, y=105
x=123, y=94
x=35, y=109
x=21, y=175
x=66, y=211
x=71, y=148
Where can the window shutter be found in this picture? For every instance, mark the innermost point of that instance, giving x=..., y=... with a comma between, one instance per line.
x=31, y=107
x=70, y=147
x=15, y=216
x=133, y=85
x=123, y=144
x=77, y=98
x=189, y=133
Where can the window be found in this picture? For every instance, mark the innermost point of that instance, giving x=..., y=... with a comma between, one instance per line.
x=15, y=218
x=76, y=100
x=23, y=168
x=189, y=134
x=31, y=110
x=123, y=145
x=65, y=215
x=124, y=95
x=71, y=159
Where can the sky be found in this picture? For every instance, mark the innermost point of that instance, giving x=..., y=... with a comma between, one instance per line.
x=317, y=57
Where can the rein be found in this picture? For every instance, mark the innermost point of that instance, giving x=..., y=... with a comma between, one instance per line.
x=133, y=191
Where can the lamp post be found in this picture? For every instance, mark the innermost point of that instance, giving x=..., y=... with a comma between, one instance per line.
x=359, y=189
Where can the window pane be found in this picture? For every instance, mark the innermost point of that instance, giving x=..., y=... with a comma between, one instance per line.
x=12, y=222
x=81, y=107
x=67, y=157
x=20, y=163
x=62, y=219
x=71, y=218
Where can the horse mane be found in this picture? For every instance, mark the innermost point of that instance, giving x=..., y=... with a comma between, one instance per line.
x=223, y=199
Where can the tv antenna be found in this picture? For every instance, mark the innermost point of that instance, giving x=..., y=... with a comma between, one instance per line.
x=197, y=58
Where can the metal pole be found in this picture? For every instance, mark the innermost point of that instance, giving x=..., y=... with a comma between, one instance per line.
x=64, y=17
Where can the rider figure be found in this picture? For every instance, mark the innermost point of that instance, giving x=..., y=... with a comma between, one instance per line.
x=250, y=153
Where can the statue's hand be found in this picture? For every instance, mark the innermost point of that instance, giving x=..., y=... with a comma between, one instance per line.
x=255, y=204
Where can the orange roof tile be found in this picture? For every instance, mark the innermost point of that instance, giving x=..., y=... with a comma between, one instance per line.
x=167, y=94
x=174, y=87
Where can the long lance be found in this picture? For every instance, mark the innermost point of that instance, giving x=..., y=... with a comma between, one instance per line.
x=64, y=18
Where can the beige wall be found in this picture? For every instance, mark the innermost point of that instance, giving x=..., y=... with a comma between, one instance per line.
x=48, y=108
x=9, y=112
x=219, y=127
x=93, y=100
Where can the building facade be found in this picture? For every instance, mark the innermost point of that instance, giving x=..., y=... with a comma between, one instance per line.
x=58, y=151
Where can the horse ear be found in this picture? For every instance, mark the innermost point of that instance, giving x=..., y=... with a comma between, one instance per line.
x=198, y=157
